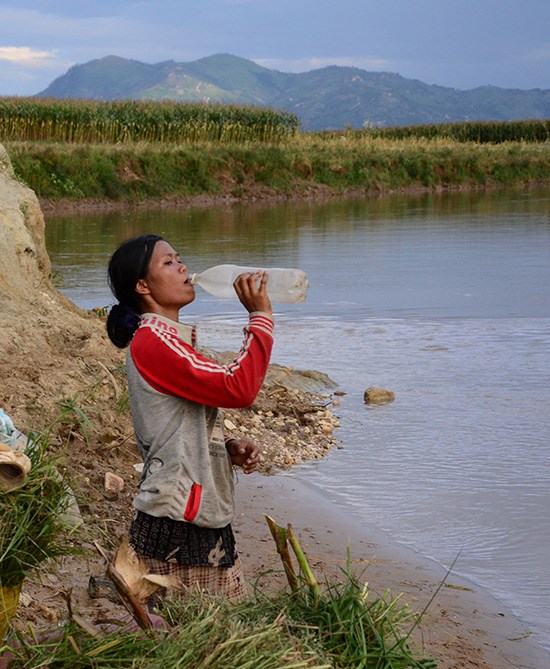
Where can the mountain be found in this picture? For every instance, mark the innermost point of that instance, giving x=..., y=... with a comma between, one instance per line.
x=332, y=97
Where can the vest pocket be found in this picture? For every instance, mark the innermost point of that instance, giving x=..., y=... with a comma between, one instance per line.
x=193, y=503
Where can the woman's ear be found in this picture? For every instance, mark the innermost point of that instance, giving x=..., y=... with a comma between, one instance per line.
x=142, y=288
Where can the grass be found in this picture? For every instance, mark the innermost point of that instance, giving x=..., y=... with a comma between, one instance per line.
x=344, y=627
x=137, y=172
x=33, y=527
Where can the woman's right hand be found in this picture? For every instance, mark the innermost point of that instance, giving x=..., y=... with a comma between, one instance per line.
x=253, y=295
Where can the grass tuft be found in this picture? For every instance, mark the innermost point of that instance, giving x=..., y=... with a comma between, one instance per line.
x=343, y=627
x=33, y=526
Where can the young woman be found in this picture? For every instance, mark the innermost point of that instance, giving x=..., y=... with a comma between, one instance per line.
x=185, y=502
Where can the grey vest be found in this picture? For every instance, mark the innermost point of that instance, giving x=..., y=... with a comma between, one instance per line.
x=187, y=472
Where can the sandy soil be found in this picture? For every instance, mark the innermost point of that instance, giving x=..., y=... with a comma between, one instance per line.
x=464, y=627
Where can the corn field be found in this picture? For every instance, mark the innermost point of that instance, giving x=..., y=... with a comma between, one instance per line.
x=480, y=132
x=114, y=122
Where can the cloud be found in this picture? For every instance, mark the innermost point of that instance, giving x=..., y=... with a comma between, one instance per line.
x=316, y=63
x=540, y=54
x=28, y=57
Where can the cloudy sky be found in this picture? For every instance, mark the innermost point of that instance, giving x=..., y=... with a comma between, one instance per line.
x=457, y=43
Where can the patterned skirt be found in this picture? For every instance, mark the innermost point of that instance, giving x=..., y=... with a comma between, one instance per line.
x=227, y=581
x=199, y=557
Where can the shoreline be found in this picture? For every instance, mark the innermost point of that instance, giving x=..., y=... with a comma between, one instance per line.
x=68, y=207
x=464, y=626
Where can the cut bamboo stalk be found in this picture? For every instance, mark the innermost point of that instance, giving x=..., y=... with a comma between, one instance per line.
x=302, y=561
x=280, y=537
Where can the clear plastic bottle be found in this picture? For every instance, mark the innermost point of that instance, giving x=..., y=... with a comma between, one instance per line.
x=284, y=285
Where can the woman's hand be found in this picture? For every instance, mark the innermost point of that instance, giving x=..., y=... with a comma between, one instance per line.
x=253, y=296
x=243, y=453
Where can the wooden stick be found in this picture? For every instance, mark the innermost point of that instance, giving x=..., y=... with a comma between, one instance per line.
x=90, y=629
x=130, y=601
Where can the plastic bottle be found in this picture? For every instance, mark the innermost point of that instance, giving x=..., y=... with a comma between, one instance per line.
x=284, y=285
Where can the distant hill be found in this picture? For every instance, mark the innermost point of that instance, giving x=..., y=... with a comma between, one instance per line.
x=329, y=98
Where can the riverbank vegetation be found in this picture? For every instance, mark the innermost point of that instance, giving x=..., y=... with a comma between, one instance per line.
x=317, y=625
x=344, y=627
x=135, y=151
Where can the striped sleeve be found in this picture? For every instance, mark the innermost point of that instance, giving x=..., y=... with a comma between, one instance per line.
x=173, y=367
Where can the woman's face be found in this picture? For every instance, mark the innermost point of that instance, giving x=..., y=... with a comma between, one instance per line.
x=166, y=286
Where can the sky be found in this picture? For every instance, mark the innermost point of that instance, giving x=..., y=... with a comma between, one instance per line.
x=456, y=43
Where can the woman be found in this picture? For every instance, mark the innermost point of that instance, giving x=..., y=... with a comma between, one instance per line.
x=185, y=503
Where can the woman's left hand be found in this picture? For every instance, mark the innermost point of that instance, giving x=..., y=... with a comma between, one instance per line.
x=243, y=453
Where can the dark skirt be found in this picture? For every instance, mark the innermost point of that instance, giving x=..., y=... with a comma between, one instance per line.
x=178, y=541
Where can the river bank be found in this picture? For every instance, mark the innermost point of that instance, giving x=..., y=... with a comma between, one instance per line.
x=463, y=627
x=308, y=166
x=62, y=370
x=65, y=207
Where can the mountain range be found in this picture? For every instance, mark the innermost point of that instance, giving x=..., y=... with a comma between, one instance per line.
x=332, y=97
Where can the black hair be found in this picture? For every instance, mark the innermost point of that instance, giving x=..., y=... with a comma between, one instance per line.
x=128, y=264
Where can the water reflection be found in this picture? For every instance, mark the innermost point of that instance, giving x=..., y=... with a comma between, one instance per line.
x=377, y=256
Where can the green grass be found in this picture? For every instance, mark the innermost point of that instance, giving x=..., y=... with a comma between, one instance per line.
x=345, y=627
x=133, y=173
x=132, y=151
x=33, y=526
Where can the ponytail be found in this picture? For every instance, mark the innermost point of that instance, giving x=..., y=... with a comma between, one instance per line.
x=128, y=264
x=122, y=322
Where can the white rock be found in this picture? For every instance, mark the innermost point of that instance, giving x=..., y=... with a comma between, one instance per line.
x=113, y=483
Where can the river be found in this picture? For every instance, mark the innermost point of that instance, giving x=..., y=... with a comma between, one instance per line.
x=443, y=299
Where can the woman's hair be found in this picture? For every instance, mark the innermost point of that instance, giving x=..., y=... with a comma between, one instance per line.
x=128, y=264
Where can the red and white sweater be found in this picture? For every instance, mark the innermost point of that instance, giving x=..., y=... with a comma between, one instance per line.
x=175, y=393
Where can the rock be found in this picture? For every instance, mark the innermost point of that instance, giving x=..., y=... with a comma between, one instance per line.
x=374, y=395
x=101, y=586
x=303, y=380
x=113, y=483
x=308, y=380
